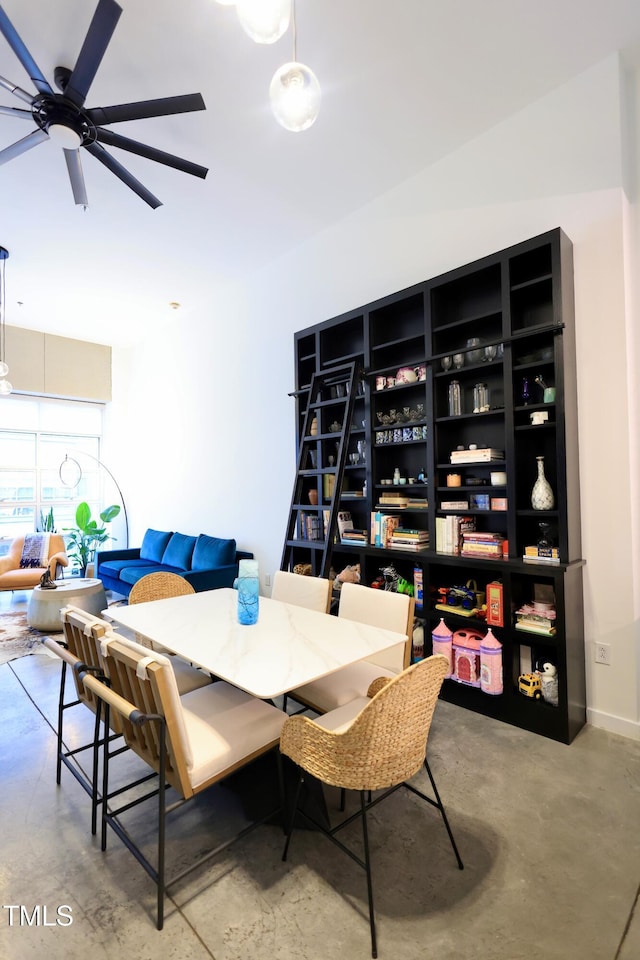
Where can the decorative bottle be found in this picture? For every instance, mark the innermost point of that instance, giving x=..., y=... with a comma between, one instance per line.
x=542, y=495
x=248, y=591
x=455, y=399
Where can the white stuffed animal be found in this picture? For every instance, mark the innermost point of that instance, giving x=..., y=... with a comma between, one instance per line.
x=549, y=683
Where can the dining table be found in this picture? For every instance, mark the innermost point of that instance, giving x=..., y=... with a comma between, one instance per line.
x=288, y=646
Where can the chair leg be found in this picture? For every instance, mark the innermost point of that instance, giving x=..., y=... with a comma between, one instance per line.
x=94, y=774
x=294, y=810
x=162, y=787
x=367, y=861
x=440, y=806
x=63, y=676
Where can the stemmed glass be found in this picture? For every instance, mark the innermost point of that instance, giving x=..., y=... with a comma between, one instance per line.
x=490, y=352
x=458, y=361
x=446, y=363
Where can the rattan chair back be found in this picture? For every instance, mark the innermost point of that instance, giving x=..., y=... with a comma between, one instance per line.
x=385, y=744
x=159, y=586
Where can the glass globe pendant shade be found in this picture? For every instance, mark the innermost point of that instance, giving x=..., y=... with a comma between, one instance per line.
x=264, y=21
x=5, y=388
x=4, y=369
x=295, y=96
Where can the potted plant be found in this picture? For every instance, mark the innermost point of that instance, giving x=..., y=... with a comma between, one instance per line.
x=86, y=535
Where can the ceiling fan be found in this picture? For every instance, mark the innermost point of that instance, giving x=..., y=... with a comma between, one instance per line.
x=63, y=118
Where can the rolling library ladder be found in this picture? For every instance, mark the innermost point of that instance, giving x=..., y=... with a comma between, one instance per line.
x=322, y=454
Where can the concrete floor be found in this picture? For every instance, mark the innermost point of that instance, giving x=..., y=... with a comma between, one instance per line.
x=549, y=835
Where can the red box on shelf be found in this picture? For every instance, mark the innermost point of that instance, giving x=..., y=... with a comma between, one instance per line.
x=494, y=605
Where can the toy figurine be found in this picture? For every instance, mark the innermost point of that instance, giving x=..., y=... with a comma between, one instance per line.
x=549, y=682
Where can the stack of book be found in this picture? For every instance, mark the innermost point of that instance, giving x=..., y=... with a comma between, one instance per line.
x=354, y=537
x=392, y=501
x=537, y=618
x=404, y=538
x=449, y=531
x=542, y=554
x=485, y=545
x=481, y=455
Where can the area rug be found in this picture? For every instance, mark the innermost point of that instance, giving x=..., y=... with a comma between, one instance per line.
x=18, y=639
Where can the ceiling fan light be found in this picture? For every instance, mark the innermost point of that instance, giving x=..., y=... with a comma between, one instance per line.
x=264, y=21
x=64, y=136
x=5, y=388
x=295, y=96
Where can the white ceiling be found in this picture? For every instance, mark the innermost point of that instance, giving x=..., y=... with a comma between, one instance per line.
x=404, y=82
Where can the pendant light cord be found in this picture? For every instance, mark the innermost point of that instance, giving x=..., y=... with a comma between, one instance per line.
x=2, y=309
x=294, y=31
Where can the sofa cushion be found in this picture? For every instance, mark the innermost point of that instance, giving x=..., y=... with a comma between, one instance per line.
x=178, y=551
x=154, y=545
x=212, y=552
x=133, y=574
x=113, y=568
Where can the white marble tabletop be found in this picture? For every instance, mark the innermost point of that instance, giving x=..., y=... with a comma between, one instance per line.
x=288, y=646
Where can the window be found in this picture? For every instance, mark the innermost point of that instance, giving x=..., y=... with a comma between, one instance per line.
x=35, y=437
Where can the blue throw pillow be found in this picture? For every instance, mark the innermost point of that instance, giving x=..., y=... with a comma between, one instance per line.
x=154, y=545
x=211, y=552
x=178, y=552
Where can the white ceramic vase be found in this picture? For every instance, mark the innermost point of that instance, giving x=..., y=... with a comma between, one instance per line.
x=542, y=497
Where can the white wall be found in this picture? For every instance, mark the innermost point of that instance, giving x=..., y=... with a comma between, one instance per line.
x=204, y=406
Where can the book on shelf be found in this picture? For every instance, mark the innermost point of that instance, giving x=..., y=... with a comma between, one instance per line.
x=382, y=526
x=449, y=532
x=344, y=522
x=354, y=537
x=543, y=554
x=454, y=505
x=310, y=527
x=478, y=544
x=482, y=455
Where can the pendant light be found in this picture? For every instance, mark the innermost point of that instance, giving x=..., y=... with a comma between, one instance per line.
x=5, y=386
x=265, y=21
x=295, y=92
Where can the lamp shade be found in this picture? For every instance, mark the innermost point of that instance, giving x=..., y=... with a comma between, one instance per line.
x=4, y=369
x=264, y=20
x=295, y=96
x=5, y=388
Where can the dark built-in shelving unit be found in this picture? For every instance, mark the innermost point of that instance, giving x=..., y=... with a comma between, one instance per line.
x=520, y=302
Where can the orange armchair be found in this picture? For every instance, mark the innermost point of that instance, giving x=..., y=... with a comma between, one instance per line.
x=15, y=577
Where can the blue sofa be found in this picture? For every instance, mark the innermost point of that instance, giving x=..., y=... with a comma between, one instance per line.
x=206, y=562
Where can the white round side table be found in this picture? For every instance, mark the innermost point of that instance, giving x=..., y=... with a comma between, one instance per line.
x=43, y=610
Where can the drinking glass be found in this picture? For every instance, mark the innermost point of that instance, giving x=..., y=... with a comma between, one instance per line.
x=446, y=363
x=490, y=352
x=458, y=361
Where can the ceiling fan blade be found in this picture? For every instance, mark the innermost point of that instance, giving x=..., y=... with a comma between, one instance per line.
x=16, y=90
x=10, y=34
x=21, y=146
x=74, y=167
x=163, y=107
x=14, y=112
x=99, y=34
x=97, y=151
x=151, y=153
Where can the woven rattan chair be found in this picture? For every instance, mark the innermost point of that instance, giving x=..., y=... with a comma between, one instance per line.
x=380, y=608
x=160, y=586
x=373, y=743
x=311, y=592
x=190, y=742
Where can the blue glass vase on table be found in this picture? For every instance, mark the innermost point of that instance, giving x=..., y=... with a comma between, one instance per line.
x=248, y=587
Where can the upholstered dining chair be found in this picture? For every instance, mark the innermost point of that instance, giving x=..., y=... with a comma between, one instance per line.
x=190, y=742
x=380, y=608
x=311, y=592
x=376, y=743
x=160, y=586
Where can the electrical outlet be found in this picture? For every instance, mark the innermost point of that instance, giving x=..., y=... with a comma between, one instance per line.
x=267, y=580
x=603, y=653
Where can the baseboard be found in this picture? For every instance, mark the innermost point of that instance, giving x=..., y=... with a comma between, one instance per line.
x=607, y=721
